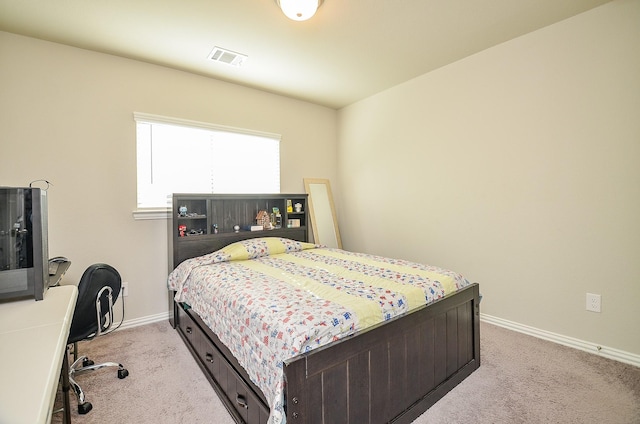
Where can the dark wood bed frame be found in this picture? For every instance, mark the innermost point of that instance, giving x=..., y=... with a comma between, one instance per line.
x=390, y=373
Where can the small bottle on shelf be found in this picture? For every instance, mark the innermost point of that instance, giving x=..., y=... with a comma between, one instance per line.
x=278, y=217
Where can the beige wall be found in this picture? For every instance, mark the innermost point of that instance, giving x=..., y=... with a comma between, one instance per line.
x=66, y=115
x=517, y=167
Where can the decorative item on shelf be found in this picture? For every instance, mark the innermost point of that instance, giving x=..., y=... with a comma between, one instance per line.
x=182, y=211
x=198, y=232
x=293, y=223
x=236, y=228
x=289, y=207
x=298, y=207
x=182, y=229
x=263, y=220
x=278, y=218
x=214, y=228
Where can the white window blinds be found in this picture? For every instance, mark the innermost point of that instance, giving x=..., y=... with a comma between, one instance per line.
x=178, y=156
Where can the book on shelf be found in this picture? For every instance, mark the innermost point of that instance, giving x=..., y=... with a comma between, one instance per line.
x=293, y=223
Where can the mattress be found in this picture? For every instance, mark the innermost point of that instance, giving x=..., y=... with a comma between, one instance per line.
x=269, y=299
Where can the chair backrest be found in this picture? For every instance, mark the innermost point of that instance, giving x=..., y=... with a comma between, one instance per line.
x=93, y=310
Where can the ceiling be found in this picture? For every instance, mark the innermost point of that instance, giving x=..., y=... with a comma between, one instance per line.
x=349, y=50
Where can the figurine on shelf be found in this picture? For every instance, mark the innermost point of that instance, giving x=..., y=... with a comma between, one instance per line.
x=182, y=229
x=236, y=228
x=182, y=211
x=263, y=219
x=215, y=228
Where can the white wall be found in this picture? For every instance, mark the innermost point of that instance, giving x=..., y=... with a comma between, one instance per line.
x=518, y=167
x=66, y=115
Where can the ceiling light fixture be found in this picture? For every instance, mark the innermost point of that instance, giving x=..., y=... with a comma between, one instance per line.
x=299, y=10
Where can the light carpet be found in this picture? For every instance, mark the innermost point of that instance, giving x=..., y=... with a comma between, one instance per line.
x=521, y=379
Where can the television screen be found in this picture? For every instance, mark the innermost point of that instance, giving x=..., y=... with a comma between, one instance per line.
x=23, y=243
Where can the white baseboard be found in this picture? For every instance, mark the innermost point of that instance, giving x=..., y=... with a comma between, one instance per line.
x=604, y=351
x=149, y=319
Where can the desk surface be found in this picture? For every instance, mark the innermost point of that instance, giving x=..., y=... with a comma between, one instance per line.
x=33, y=339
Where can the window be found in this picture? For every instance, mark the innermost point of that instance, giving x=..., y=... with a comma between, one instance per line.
x=179, y=156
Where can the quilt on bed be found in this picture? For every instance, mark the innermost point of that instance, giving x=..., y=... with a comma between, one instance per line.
x=269, y=299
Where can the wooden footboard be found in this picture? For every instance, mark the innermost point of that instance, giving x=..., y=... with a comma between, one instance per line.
x=392, y=373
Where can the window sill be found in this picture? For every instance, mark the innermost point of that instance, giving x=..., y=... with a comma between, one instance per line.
x=159, y=213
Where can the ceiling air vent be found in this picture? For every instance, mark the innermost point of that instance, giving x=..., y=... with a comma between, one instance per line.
x=221, y=55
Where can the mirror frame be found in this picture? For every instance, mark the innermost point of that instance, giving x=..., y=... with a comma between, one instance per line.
x=317, y=206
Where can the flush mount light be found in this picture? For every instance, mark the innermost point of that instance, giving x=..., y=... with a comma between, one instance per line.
x=299, y=10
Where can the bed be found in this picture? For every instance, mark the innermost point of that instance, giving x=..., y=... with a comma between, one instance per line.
x=389, y=368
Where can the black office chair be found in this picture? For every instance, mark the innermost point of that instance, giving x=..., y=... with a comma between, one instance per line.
x=98, y=290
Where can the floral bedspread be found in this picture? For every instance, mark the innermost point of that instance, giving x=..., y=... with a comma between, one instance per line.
x=268, y=299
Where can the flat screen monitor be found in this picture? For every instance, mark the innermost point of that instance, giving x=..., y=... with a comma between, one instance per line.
x=24, y=250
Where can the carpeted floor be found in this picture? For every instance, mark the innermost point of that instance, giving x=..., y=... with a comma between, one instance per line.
x=521, y=380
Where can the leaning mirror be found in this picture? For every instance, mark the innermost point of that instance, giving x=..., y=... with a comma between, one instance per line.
x=322, y=212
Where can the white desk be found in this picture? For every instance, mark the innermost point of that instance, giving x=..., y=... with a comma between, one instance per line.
x=33, y=341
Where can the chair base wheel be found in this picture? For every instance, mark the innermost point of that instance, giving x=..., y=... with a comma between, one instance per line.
x=84, y=408
x=122, y=373
x=87, y=362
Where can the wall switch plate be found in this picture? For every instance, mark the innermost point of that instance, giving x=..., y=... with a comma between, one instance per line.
x=125, y=289
x=594, y=302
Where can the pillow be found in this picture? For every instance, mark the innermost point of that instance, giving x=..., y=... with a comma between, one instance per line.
x=263, y=246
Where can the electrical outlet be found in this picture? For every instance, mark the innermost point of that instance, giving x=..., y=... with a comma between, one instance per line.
x=125, y=289
x=594, y=302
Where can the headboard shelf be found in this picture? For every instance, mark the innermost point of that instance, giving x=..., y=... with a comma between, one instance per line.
x=204, y=223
